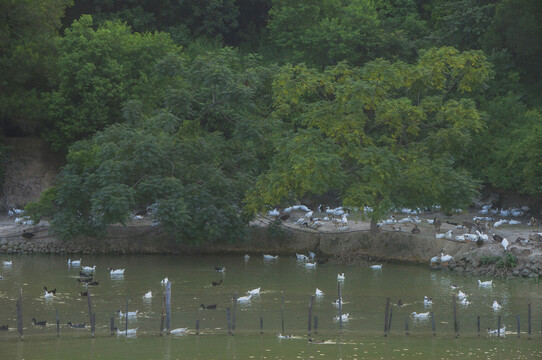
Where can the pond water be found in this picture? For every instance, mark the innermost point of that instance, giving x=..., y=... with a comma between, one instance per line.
x=364, y=292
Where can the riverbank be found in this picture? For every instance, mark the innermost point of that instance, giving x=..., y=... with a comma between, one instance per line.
x=350, y=245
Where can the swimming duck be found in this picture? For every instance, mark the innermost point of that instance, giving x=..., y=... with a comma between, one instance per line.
x=496, y=331
x=247, y=256
x=39, y=323
x=77, y=326
x=420, y=316
x=52, y=291
x=48, y=295
x=178, y=331
x=92, y=283
x=214, y=283
x=343, y=317
x=312, y=255
x=427, y=300
x=270, y=257
x=465, y=302
x=130, y=313
x=221, y=270
x=116, y=271
x=244, y=299
x=340, y=277
x=129, y=332
x=496, y=306
x=148, y=295
x=7, y=263
x=454, y=286
x=310, y=265
x=318, y=292
x=209, y=307
x=400, y=303
x=302, y=257
x=254, y=291
x=280, y=336
x=485, y=283
x=336, y=303
x=74, y=262
x=165, y=281
x=461, y=295
x=376, y=267
x=88, y=268
x=1, y=277
x=4, y=327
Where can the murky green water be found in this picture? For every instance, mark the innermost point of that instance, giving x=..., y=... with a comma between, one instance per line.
x=364, y=295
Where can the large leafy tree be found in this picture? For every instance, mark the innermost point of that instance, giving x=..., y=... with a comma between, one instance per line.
x=386, y=135
x=97, y=71
x=27, y=54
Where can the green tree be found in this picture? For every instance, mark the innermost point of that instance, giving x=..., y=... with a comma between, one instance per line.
x=384, y=136
x=27, y=54
x=97, y=71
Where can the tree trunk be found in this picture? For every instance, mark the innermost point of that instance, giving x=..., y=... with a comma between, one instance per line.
x=374, y=227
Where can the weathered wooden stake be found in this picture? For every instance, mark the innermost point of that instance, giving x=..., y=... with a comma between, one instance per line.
x=112, y=325
x=126, y=317
x=57, y=323
x=235, y=295
x=389, y=324
x=93, y=323
x=499, y=327
x=518, y=327
x=197, y=327
x=478, y=324
x=386, y=315
x=163, y=317
x=261, y=325
x=406, y=327
x=20, y=314
x=310, y=314
x=282, y=313
x=89, y=300
x=529, y=318
x=340, y=308
x=315, y=324
x=456, y=325
x=433, y=323
x=228, y=320
x=168, y=307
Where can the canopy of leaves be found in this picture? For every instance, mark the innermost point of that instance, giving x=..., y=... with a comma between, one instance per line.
x=386, y=135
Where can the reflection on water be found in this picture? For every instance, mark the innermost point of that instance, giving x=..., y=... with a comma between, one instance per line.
x=364, y=292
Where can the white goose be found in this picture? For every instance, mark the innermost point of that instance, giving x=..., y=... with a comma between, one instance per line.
x=74, y=262
x=131, y=314
x=445, y=258
x=302, y=257
x=505, y=243
x=318, y=292
x=485, y=283
x=421, y=316
x=244, y=299
x=376, y=267
x=254, y=291
x=89, y=269
x=7, y=263
x=148, y=295
x=340, y=277
x=343, y=317
x=496, y=306
x=116, y=271
x=270, y=257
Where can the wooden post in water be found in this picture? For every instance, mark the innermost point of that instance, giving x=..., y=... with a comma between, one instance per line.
x=456, y=325
x=315, y=324
x=228, y=320
x=57, y=323
x=389, y=323
x=197, y=327
x=90, y=312
x=112, y=325
x=163, y=317
x=340, y=307
x=168, y=307
x=20, y=314
x=235, y=295
x=386, y=315
x=478, y=324
x=518, y=327
x=310, y=314
x=126, y=318
x=261, y=325
x=93, y=323
x=406, y=326
x=499, y=327
x=282, y=313
x=433, y=323
x=529, y=318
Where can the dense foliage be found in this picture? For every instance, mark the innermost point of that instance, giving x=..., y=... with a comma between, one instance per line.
x=206, y=112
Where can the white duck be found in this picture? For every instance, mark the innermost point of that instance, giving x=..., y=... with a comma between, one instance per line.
x=131, y=314
x=148, y=295
x=244, y=299
x=427, y=300
x=7, y=263
x=318, y=292
x=505, y=243
x=340, y=277
x=310, y=265
x=254, y=291
x=129, y=332
x=49, y=295
x=376, y=267
x=302, y=257
x=514, y=222
x=421, y=316
x=343, y=317
x=485, y=283
x=116, y=271
x=465, y=302
x=270, y=257
x=74, y=262
x=247, y=256
x=496, y=306
x=178, y=331
x=445, y=258
x=164, y=281
x=336, y=303
x=461, y=295
x=89, y=269
x=496, y=331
